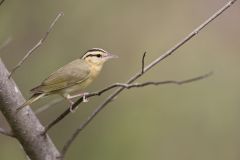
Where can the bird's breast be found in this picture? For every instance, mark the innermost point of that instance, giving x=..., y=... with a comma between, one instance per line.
x=77, y=87
x=95, y=70
x=82, y=85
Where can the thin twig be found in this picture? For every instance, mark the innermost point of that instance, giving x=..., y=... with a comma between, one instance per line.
x=1, y=2
x=139, y=74
x=137, y=85
x=31, y=51
x=143, y=61
x=127, y=86
x=6, y=133
x=45, y=107
x=122, y=85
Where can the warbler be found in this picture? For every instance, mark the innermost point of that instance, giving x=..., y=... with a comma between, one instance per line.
x=72, y=78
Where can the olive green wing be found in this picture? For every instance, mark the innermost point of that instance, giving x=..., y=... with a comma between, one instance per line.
x=72, y=73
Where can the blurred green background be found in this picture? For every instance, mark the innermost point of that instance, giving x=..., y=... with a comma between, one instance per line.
x=193, y=121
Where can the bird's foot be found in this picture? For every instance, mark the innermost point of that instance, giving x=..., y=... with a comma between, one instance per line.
x=73, y=110
x=85, y=99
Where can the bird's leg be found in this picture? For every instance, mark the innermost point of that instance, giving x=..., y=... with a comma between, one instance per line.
x=80, y=95
x=68, y=99
x=85, y=99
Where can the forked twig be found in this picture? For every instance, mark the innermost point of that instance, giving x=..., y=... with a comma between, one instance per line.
x=137, y=85
x=123, y=85
x=40, y=42
x=128, y=86
x=139, y=74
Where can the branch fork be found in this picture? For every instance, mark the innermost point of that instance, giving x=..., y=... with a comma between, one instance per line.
x=14, y=120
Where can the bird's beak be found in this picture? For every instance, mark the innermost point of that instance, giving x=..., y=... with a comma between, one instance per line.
x=110, y=56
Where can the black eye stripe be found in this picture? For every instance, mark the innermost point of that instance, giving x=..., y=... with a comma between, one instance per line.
x=94, y=55
x=99, y=55
x=94, y=52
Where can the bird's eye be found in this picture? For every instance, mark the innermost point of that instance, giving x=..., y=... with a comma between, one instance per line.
x=99, y=55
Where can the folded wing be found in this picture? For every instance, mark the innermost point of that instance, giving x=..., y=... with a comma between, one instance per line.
x=69, y=75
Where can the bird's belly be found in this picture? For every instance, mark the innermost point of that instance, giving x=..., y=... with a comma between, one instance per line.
x=76, y=88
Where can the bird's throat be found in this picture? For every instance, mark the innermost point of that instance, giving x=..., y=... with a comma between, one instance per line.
x=95, y=70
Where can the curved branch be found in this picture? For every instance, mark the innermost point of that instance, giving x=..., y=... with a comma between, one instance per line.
x=127, y=86
x=139, y=74
x=121, y=85
x=40, y=42
x=138, y=85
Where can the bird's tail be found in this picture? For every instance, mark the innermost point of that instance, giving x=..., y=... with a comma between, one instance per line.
x=34, y=98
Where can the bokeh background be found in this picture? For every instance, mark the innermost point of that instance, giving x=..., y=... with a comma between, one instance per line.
x=193, y=121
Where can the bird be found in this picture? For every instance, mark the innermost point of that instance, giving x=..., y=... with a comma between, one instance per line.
x=69, y=80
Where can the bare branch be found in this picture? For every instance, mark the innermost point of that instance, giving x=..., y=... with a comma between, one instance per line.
x=138, y=85
x=31, y=51
x=127, y=86
x=143, y=61
x=139, y=74
x=1, y=2
x=6, y=133
x=61, y=116
x=122, y=85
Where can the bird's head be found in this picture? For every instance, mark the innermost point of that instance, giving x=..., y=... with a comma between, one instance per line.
x=97, y=56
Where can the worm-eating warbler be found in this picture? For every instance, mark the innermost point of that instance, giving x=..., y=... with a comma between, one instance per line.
x=72, y=78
